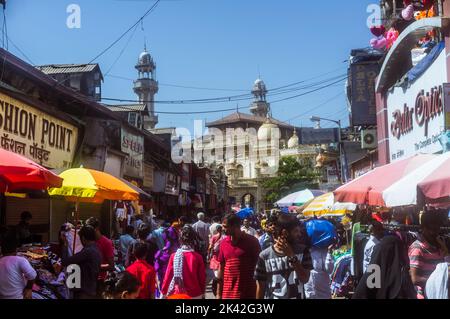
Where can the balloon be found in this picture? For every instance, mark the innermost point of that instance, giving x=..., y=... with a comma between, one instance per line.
x=408, y=13
x=378, y=31
x=391, y=37
x=378, y=43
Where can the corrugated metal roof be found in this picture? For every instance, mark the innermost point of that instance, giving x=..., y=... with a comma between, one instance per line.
x=67, y=68
x=126, y=107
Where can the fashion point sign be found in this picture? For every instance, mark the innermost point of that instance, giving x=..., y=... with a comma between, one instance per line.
x=416, y=115
x=43, y=138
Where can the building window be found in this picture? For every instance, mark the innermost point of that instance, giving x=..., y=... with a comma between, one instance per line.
x=132, y=118
x=240, y=171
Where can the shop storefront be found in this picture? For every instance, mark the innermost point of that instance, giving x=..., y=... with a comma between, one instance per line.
x=416, y=115
x=48, y=139
x=412, y=100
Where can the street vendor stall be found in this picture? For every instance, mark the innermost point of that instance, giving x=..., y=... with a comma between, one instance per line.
x=91, y=186
x=19, y=174
x=50, y=281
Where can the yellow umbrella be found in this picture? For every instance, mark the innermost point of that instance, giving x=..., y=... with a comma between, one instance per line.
x=91, y=186
x=324, y=206
x=87, y=185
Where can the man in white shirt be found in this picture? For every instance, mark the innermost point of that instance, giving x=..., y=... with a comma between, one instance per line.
x=247, y=229
x=213, y=228
x=376, y=234
x=16, y=274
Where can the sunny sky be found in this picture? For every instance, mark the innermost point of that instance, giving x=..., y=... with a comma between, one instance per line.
x=208, y=44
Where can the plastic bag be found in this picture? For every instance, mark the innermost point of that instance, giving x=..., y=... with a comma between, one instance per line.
x=322, y=233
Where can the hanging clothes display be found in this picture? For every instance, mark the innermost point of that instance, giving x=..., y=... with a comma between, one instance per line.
x=342, y=280
x=120, y=209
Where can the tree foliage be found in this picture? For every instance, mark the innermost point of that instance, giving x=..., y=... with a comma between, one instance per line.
x=292, y=176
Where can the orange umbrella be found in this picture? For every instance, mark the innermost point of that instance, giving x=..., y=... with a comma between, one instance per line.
x=91, y=186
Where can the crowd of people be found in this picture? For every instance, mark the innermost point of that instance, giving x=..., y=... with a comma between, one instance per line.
x=265, y=256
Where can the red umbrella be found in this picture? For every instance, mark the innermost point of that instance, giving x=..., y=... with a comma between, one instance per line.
x=368, y=189
x=18, y=173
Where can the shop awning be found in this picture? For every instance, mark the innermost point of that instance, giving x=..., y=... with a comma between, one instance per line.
x=422, y=178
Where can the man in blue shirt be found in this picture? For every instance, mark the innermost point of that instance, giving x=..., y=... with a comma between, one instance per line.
x=156, y=235
x=125, y=241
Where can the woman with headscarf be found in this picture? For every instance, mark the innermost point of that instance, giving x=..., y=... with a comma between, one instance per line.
x=186, y=270
x=394, y=281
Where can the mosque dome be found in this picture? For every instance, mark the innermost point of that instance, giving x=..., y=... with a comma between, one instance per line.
x=145, y=58
x=266, y=131
x=259, y=87
x=294, y=140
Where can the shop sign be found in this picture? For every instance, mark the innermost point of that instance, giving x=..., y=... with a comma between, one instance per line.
x=332, y=174
x=148, y=175
x=36, y=135
x=133, y=145
x=172, y=185
x=363, y=102
x=311, y=136
x=427, y=107
x=416, y=115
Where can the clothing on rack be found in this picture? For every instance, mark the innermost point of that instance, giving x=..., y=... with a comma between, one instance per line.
x=395, y=282
x=342, y=279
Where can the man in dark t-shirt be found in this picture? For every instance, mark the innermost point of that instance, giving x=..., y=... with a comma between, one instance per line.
x=238, y=254
x=284, y=267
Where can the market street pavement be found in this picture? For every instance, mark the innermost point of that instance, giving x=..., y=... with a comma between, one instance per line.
x=209, y=278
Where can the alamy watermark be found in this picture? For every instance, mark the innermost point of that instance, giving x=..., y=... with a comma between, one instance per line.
x=73, y=280
x=74, y=18
x=374, y=279
x=224, y=147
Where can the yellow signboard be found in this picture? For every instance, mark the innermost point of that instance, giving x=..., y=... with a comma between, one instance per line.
x=36, y=135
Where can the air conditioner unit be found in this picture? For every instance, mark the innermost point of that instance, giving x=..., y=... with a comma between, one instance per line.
x=369, y=139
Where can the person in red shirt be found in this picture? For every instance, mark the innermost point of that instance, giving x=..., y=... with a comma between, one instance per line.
x=238, y=255
x=144, y=272
x=106, y=248
x=186, y=273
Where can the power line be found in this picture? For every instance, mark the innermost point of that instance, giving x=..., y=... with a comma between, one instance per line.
x=234, y=98
x=314, y=108
x=21, y=52
x=119, y=38
x=299, y=95
x=124, y=107
x=125, y=33
x=226, y=89
x=121, y=52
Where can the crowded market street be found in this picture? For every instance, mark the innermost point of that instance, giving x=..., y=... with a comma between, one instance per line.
x=326, y=178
